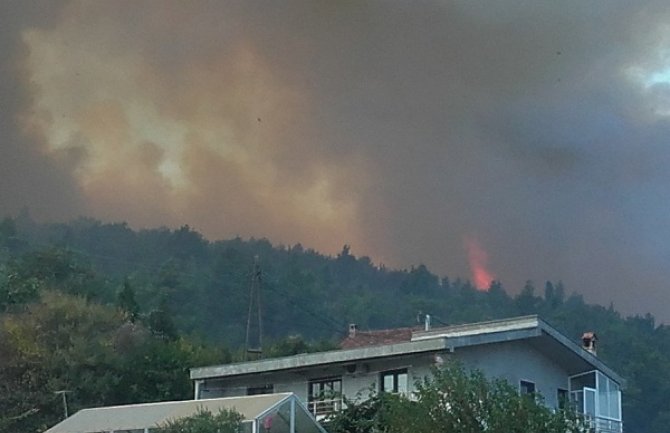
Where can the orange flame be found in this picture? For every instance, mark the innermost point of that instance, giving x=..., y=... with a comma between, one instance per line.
x=478, y=259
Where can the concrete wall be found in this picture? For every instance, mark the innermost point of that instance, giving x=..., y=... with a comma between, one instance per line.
x=516, y=361
x=357, y=378
x=513, y=361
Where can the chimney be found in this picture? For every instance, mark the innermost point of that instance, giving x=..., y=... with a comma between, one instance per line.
x=352, y=330
x=427, y=326
x=589, y=342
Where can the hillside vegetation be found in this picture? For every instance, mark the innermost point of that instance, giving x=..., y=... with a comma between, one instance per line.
x=115, y=315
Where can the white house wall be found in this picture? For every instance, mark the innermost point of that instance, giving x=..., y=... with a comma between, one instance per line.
x=357, y=379
x=516, y=361
x=513, y=361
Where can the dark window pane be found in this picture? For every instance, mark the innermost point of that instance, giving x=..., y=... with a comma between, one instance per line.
x=527, y=387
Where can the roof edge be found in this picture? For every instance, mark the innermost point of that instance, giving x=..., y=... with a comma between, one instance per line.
x=490, y=326
x=158, y=403
x=318, y=358
x=587, y=356
x=445, y=338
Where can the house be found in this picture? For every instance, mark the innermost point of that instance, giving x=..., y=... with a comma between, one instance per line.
x=279, y=413
x=526, y=351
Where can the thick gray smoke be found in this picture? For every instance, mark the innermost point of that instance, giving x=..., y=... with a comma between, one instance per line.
x=28, y=176
x=537, y=130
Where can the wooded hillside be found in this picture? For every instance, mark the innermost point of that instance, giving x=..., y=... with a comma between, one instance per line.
x=115, y=315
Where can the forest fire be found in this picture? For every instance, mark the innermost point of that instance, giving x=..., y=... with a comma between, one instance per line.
x=478, y=260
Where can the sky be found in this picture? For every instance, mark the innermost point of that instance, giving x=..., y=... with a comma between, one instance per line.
x=512, y=140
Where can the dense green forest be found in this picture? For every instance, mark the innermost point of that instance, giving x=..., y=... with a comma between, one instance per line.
x=114, y=315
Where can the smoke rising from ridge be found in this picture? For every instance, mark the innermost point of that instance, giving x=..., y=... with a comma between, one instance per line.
x=396, y=127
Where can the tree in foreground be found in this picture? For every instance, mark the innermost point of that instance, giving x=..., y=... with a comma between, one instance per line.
x=65, y=342
x=456, y=401
x=226, y=421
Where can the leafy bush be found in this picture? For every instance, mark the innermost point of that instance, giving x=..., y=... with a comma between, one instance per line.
x=456, y=401
x=226, y=421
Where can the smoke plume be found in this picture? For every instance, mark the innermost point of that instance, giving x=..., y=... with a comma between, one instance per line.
x=392, y=126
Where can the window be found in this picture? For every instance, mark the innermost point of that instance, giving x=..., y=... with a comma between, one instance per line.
x=562, y=398
x=263, y=389
x=394, y=381
x=324, y=395
x=608, y=398
x=589, y=401
x=526, y=387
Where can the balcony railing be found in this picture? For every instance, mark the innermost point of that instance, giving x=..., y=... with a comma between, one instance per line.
x=322, y=408
x=603, y=425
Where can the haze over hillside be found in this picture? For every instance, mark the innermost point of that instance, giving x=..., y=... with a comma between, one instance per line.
x=536, y=131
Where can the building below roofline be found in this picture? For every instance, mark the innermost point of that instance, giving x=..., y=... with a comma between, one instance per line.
x=526, y=351
x=275, y=413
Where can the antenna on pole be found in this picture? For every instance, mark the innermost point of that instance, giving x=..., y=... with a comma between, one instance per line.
x=254, y=346
x=63, y=393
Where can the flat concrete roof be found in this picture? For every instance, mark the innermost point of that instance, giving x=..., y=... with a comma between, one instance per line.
x=478, y=328
x=538, y=332
x=320, y=358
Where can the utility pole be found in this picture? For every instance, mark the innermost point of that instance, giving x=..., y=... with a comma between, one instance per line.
x=254, y=301
x=64, y=393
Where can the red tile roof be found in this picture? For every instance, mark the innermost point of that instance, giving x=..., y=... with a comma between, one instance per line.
x=378, y=337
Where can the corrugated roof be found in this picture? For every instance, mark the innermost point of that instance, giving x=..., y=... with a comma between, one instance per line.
x=149, y=415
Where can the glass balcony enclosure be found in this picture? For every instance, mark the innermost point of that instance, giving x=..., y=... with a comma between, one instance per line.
x=289, y=417
x=598, y=398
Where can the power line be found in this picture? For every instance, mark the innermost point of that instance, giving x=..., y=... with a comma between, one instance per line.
x=254, y=297
x=301, y=324
x=333, y=324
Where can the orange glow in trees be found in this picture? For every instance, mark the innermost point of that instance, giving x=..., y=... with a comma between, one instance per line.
x=478, y=260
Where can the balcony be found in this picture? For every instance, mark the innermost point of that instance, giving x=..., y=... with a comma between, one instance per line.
x=598, y=399
x=322, y=408
x=603, y=425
